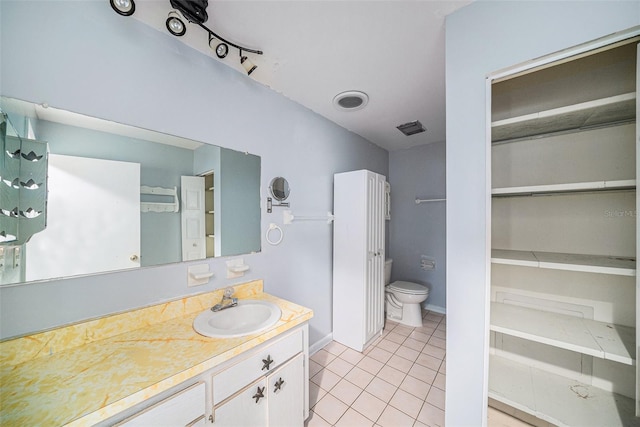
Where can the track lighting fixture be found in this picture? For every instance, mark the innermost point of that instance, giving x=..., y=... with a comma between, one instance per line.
x=221, y=49
x=175, y=25
x=195, y=12
x=249, y=66
x=123, y=7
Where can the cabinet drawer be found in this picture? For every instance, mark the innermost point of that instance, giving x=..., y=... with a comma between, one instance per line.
x=184, y=408
x=234, y=378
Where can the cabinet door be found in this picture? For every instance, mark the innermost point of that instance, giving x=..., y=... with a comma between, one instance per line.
x=247, y=408
x=374, y=290
x=286, y=394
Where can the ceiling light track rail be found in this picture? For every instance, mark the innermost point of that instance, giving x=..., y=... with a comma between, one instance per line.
x=195, y=12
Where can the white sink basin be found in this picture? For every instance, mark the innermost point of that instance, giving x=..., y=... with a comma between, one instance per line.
x=248, y=317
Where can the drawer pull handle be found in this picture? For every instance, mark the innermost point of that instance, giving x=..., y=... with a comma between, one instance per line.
x=267, y=363
x=258, y=394
x=278, y=385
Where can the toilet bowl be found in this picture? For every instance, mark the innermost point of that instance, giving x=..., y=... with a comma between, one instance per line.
x=403, y=299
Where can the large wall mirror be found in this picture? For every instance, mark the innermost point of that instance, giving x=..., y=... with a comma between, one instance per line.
x=121, y=197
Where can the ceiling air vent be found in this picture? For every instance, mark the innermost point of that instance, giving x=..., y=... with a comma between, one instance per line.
x=350, y=100
x=411, y=128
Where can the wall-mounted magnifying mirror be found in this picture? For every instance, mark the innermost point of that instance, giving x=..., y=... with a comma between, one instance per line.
x=279, y=188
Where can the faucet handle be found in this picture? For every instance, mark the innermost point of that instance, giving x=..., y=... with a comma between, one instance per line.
x=228, y=292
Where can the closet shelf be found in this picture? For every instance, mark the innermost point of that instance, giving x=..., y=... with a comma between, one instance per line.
x=556, y=399
x=573, y=187
x=603, y=340
x=621, y=266
x=614, y=109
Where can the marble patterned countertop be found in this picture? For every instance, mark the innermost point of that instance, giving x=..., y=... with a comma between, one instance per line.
x=88, y=372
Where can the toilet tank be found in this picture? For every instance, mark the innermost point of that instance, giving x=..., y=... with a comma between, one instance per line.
x=387, y=271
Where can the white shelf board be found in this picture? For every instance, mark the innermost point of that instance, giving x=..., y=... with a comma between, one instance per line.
x=571, y=187
x=613, y=109
x=598, y=339
x=556, y=399
x=621, y=266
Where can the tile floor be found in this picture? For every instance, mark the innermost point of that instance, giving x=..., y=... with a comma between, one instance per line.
x=397, y=381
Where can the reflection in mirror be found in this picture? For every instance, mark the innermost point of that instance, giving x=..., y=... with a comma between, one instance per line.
x=121, y=197
x=279, y=188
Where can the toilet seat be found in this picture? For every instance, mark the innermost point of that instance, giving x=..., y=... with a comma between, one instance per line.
x=408, y=288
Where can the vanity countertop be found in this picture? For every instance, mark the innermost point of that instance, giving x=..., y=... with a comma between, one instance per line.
x=87, y=383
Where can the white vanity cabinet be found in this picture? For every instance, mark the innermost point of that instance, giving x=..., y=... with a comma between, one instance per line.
x=563, y=263
x=268, y=387
x=274, y=400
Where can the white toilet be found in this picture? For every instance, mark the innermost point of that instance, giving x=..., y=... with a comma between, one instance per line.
x=403, y=299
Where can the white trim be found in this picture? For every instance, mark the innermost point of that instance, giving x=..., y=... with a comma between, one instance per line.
x=564, y=54
x=319, y=345
x=435, y=308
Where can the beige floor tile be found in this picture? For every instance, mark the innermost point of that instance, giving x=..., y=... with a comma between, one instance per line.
x=315, y=394
x=419, y=424
x=392, y=417
x=428, y=323
x=439, y=333
x=380, y=355
x=414, y=344
x=440, y=381
x=315, y=420
x=434, y=351
x=391, y=375
x=314, y=368
x=353, y=418
x=351, y=356
x=381, y=389
x=408, y=353
x=396, y=338
x=407, y=403
x=370, y=365
x=330, y=408
x=438, y=342
x=418, y=335
x=335, y=348
x=388, y=345
x=403, y=330
x=496, y=418
x=346, y=392
x=429, y=361
x=326, y=379
x=400, y=363
x=436, y=397
x=369, y=406
x=359, y=377
x=431, y=416
x=423, y=373
x=323, y=357
x=443, y=367
x=340, y=366
x=418, y=388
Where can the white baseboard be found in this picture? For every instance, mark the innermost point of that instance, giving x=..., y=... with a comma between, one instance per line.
x=435, y=308
x=318, y=345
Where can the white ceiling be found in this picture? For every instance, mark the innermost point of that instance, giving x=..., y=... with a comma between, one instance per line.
x=392, y=50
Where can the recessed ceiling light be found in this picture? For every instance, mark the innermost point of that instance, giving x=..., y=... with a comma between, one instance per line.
x=350, y=100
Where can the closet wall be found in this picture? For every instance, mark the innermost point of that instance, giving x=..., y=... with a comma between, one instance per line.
x=563, y=274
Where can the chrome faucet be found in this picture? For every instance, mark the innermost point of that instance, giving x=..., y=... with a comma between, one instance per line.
x=227, y=301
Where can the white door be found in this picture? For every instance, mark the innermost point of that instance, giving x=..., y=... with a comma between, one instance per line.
x=93, y=219
x=193, y=222
x=247, y=408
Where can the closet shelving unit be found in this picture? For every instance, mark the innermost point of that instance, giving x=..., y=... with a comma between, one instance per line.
x=209, y=214
x=563, y=283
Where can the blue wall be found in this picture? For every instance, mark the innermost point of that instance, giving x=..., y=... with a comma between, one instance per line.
x=417, y=230
x=83, y=57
